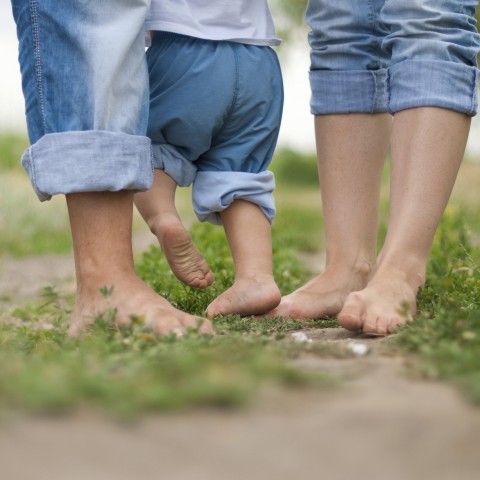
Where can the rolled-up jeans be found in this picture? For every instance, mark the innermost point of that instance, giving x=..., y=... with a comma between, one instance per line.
x=372, y=56
x=85, y=84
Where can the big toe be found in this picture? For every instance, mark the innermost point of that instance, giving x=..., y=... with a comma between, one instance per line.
x=350, y=317
x=198, y=280
x=218, y=307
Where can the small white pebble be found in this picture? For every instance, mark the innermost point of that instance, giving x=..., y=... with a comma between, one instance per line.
x=301, y=337
x=358, y=348
x=178, y=332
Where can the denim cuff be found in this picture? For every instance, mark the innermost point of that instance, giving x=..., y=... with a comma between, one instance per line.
x=348, y=91
x=213, y=192
x=430, y=83
x=169, y=159
x=88, y=161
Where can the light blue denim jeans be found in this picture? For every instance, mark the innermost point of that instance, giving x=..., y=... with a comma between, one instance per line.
x=370, y=56
x=85, y=84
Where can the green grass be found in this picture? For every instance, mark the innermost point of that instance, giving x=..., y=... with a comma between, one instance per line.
x=12, y=147
x=445, y=336
x=210, y=239
x=28, y=227
x=129, y=372
x=294, y=169
x=126, y=372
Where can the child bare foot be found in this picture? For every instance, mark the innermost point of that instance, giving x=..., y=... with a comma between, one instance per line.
x=323, y=296
x=157, y=207
x=186, y=262
x=129, y=298
x=387, y=302
x=247, y=297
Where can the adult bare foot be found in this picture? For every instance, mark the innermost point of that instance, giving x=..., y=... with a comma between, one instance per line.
x=388, y=302
x=246, y=297
x=126, y=299
x=323, y=296
x=101, y=225
x=186, y=262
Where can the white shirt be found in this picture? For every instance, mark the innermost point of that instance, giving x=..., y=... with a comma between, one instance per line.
x=243, y=21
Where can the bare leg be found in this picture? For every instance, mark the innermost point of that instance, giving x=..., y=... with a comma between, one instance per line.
x=427, y=148
x=351, y=150
x=101, y=229
x=157, y=207
x=249, y=235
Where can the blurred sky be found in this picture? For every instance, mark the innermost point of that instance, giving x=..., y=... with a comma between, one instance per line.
x=297, y=126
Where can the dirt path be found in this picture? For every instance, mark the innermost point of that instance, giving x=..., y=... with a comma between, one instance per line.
x=23, y=279
x=379, y=423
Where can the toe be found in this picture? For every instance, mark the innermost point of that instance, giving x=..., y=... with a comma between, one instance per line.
x=394, y=324
x=286, y=309
x=374, y=325
x=350, y=321
x=202, y=324
x=350, y=317
x=164, y=323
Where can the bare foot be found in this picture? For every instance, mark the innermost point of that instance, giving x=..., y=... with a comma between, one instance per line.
x=186, y=262
x=387, y=302
x=247, y=297
x=128, y=298
x=323, y=296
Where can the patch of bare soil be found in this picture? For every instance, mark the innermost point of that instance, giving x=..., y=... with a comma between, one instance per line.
x=23, y=279
x=380, y=422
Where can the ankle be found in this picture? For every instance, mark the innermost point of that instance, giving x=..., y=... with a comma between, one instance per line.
x=256, y=277
x=411, y=269
x=361, y=269
x=92, y=276
x=157, y=222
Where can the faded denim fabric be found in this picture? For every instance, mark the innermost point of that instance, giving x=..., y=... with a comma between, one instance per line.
x=371, y=56
x=85, y=84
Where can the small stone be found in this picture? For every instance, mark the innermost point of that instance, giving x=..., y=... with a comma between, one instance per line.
x=301, y=337
x=358, y=349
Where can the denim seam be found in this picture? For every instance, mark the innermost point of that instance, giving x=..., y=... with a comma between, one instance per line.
x=152, y=158
x=32, y=168
x=473, y=45
x=375, y=88
x=235, y=90
x=38, y=59
x=385, y=4
x=274, y=143
x=474, y=97
x=373, y=54
x=372, y=25
x=389, y=91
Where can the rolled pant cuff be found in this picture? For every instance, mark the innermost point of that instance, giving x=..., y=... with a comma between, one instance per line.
x=88, y=161
x=415, y=83
x=348, y=91
x=169, y=159
x=214, y=191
